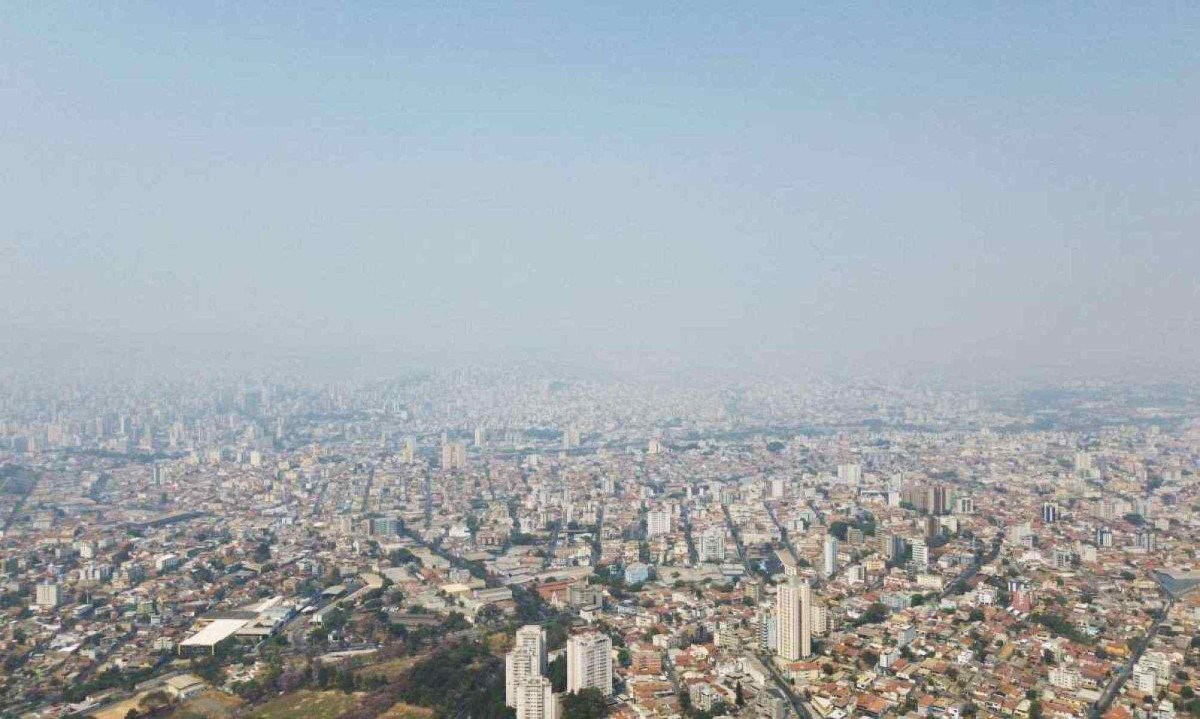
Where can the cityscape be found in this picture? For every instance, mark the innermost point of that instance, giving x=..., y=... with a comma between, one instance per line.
x=620, y=360
x=575, y=548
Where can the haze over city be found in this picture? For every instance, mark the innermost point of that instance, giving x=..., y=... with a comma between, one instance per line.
x=599, y=361
x=826, y=186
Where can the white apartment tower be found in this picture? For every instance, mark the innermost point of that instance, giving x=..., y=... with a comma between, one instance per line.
x=920, y=553
x=712, y=545
x=536, y=700
x=849, y=473
x=526, y=660
x=589, y=663
x=454, y=455
x=831, y=552
x=532, y=638
x=48, y=595
x=658, y=522
x=793, y=619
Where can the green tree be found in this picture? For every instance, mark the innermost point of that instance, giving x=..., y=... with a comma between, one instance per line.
x=558, y=673
x=586, y=704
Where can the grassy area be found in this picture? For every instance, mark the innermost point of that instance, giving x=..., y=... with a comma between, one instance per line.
x=313, y=705
x=118, y=710
x=407, y=711
x=392, y=669
x=211, y=704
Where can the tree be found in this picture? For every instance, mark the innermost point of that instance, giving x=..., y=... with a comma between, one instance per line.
x=875, y=613
x=155, y=700
x=558, y=673
x=401, y=556
x=585, y=704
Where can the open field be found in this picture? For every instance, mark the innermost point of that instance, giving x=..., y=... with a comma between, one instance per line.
x=391, y=669
x=309, y=704
x=407, y=711
x=211, y=704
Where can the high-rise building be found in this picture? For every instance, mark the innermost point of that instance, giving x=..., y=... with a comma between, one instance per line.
x=934, y=498
x=526, y=660
x=480, y=436
x=589, y=663
x=920, y=553
x=829, y=566
x=571, y=437
x=1049, y=512
x=48, y=595
x=849, y=473
x=886, y=544
x=536, y=699
x=712, y=545
x=778, y=488
x=454, y=455
x=940, y=501
x=793, y=619
x=820, y=619
x=410, y=449
x=532, y=637
x=658, y=522
x=519, y=664
x=1144, y=539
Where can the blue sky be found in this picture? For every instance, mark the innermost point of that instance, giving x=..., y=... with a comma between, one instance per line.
x=842, y=183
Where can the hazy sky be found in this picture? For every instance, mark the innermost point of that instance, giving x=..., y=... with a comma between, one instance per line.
x=1002, y=182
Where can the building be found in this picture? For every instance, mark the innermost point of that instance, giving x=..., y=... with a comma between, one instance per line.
x=886, y=545
x=793, y=619
x=454, y=455
x=214, y=633
x=658, y=522
x=1065, y=678
x=532, y=638
x=820, y=619
x=49, y=595
x=526, y=661
x=1049, y=512
x=920, y=553
x=849, y=474
x=712, y=545
x=636, y=573
x=571, y=437
x=589, y=663
x=1145, y=681
x=829, y=565
x=535, y=699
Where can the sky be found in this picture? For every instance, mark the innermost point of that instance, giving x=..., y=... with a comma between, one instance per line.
x=989, y=185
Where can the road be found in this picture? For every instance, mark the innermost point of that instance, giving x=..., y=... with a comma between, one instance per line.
x=966, y=575
x=596, y=544
x=817, y=512
x=693, y=555
x=1114, y=687
x=366, y=494
x=737, y=538
x=785, y=686
x=783, y=533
